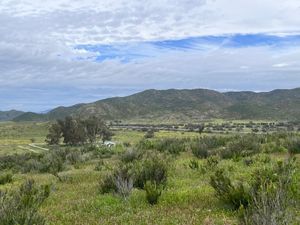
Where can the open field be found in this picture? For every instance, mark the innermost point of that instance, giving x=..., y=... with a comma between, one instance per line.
x=188, y=197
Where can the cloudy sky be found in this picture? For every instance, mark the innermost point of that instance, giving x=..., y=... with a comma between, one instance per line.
x=62, y=52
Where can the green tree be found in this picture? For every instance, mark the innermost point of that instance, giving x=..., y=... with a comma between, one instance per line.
x=55, y=134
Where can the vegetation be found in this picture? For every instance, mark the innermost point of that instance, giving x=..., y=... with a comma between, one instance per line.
x=21, y=206
x=243, y=178
x=199, y=103
x=77, y=131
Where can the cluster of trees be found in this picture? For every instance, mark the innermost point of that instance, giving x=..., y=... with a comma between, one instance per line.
x=76, y=131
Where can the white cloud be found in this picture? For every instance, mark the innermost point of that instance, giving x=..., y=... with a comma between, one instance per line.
x=37, y=39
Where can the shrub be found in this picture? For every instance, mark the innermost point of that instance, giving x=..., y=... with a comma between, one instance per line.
x=272, y=195
x=53, y=163
x=149, y=134
x=107, y=184
x=6, y=177
x=212, y=161
x=194, y=164
x=130, y=156
x=32, y=165
x=153, y=192
x=99, y=166
x=235, y=195
x=242, y=146
x=21, y=206
x=200, y=151
x=293, y=145
x=119, y=182
x=248, y=161
x=171, y=145
x=154, y=168
x=74, y=157
x=102, y=152
x=123, y=182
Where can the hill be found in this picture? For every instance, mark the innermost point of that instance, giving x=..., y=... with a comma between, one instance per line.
x=185, y=105
x=9, y=115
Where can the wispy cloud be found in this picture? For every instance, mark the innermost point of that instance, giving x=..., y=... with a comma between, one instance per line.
x=64, y=52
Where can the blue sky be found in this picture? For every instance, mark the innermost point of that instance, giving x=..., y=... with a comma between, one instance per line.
x=65, y=52
x=127, y=52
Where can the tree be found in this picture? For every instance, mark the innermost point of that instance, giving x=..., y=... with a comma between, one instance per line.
x=73, y=131
x=55, y=134
x=93, y=126
x=76, y=131
x=201, y=128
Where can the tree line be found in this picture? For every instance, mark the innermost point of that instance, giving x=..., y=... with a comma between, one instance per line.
x=76, y=131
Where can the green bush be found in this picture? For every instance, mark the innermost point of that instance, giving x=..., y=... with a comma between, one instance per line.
x=21, y=206
x=242, y=146
x=154, y=168
x=149, y=134
x=171, y=145
x=6, y=177
x=194, y=164
x=293, y=145
x=107, y=184
x=272, y=195
x=99, y=166
x=200, y=151
x=130, y=156
x=53, y=163
x=119, y=182
x=153, y=192
x=233, y=194
x=212, y=161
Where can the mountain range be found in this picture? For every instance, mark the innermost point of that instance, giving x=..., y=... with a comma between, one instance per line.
x=180, y=105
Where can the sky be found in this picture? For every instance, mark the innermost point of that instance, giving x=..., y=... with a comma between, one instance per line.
x=63, y=52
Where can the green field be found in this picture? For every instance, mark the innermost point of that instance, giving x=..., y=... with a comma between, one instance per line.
x=188, y=197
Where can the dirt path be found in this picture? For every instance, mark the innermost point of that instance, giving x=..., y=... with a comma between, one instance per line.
x=29, y=149
x=35, y=146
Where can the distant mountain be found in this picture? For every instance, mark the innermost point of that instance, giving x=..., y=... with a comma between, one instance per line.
x=9, y=115
x=185, y=105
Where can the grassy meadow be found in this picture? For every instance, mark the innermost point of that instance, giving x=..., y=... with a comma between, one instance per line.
x=187, y=197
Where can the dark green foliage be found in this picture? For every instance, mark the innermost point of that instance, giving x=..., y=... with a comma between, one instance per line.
x=293, y=145
x=77, y=131
x=248, y=161
x=242, y=146
x=149, y=134
x=74, y=157
x=266, y=199
x=153, y=192
x=200, y=151
x=272, y=195
x=101, y=151
x=73, y=131
x=100, y=165
x=54, y=135
x=212, y=161
x=53, y=163
x=170, y=145
x=130, y=156
x=119, y=182
x=233, y=194
x=20, y=162
x=194, y=164
x=205, y=146
x=154, y=168
x=6, y=177
x=107, y=184
x=20, y=207
x=94, y=126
